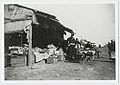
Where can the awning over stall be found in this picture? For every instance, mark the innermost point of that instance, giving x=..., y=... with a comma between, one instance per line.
x=16, y=26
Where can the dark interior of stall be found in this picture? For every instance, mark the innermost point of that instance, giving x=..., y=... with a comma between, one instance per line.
x=15, y=39
x=48, y=32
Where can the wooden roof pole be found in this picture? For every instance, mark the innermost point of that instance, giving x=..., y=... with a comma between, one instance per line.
x=30, y=55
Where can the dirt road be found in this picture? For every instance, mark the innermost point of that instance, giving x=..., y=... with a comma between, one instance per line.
x=63, y=71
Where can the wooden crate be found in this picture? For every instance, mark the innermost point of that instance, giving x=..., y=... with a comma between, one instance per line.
x=7, y=60
x=51, y=60
x=18, y=61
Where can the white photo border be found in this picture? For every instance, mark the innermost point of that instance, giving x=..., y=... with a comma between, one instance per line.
x=58, y=82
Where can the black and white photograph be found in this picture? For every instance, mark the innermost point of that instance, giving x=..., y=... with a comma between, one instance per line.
x=59, y=41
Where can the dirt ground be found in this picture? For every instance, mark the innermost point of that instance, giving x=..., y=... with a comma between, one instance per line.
x=100, y=69
x=63, y=71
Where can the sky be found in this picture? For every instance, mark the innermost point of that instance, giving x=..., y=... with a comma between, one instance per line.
x=94, y=22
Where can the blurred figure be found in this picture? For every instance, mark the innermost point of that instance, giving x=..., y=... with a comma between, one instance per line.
x=112, y=45
x=99, y=46
x=77, y=45
x=88, y=46
x=71, y=47
x=109, y=49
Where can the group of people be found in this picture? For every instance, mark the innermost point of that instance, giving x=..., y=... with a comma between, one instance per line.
x=74, y=46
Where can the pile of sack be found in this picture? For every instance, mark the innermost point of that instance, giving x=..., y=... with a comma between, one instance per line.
x=52, y=54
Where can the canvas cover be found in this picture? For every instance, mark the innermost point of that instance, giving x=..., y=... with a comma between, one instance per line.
x=16, y=26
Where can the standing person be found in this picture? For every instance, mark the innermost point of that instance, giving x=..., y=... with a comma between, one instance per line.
x=109, y=49
x=71, y=40
x=112, y=50
x=25, y=53
x=99, y=46
x=112, y=45
x=82, y=44
x=71, y=47
x=97, y=52
x=88, y=46
x=77, y=41
x=77, y=45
